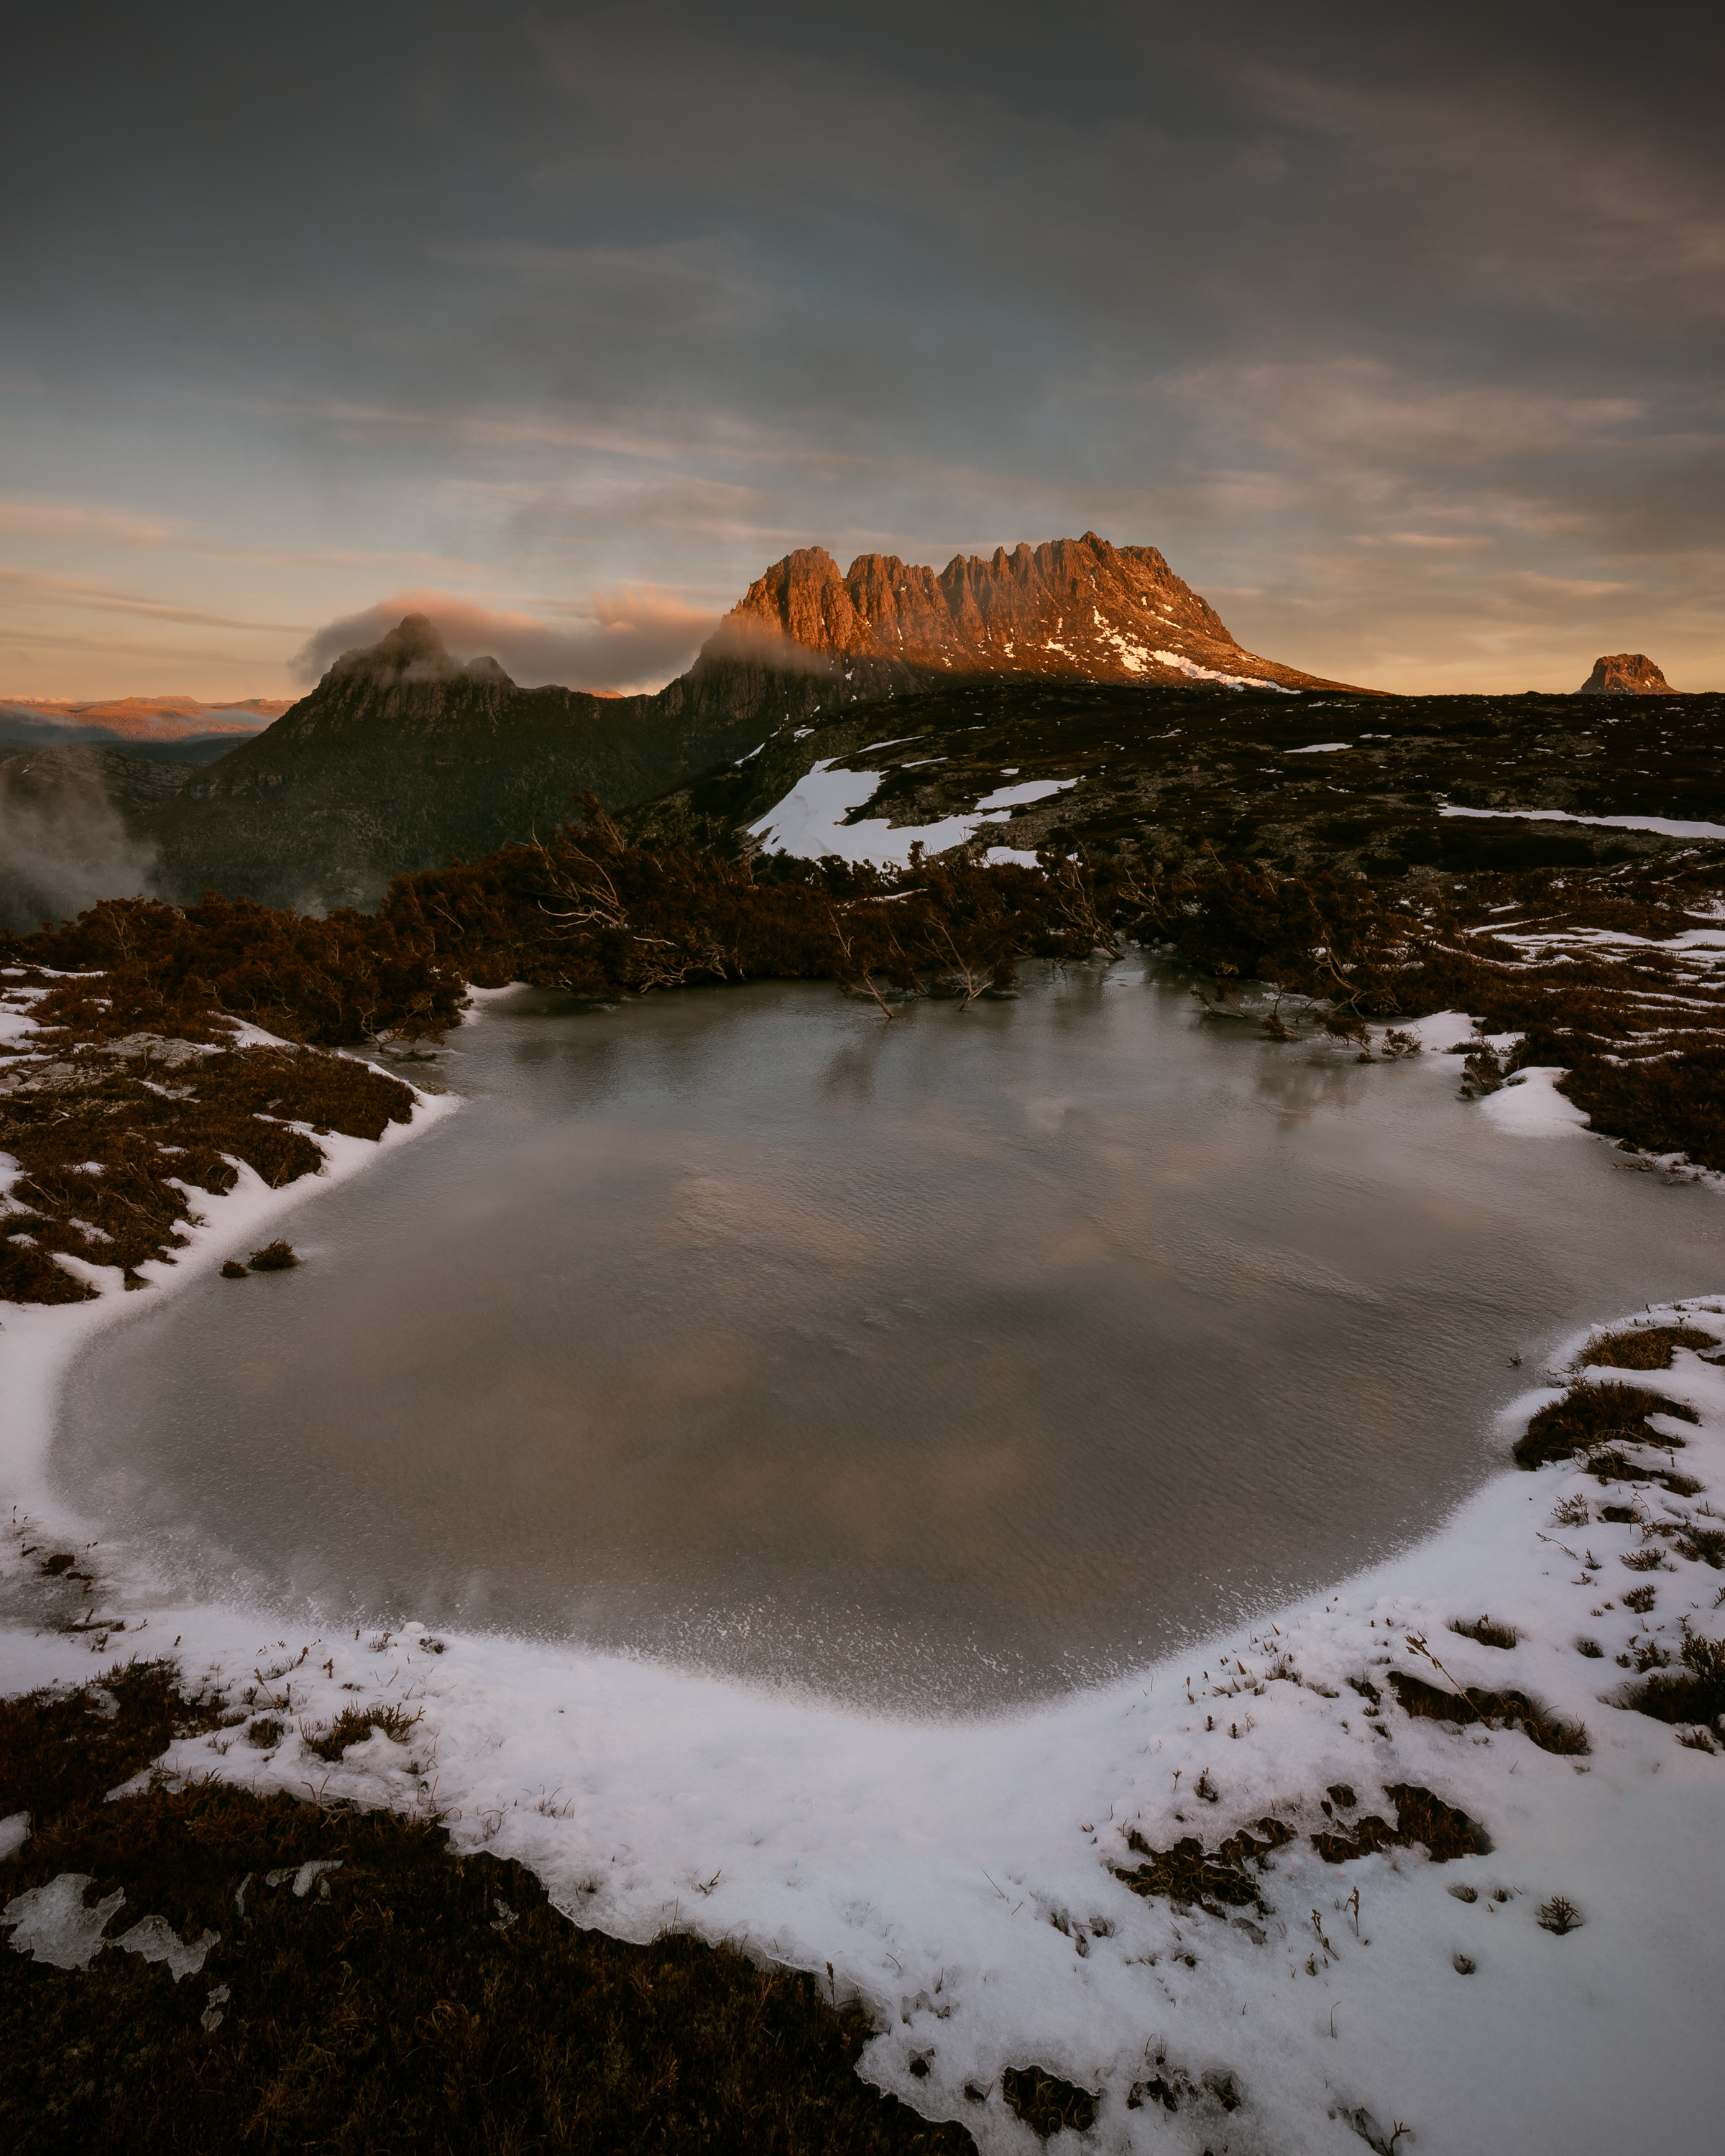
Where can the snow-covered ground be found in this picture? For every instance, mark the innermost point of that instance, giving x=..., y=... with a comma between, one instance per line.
x=809, y=821
x=962, y=1876
x=1670, y=826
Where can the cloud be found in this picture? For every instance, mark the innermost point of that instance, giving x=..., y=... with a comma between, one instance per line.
x=67, y=520
x=625, y=641
x=633, y=302
x=42, y=589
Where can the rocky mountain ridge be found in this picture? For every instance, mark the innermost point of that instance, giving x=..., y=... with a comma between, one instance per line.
x=1076, y=608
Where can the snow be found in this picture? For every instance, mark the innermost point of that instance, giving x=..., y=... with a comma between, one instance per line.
x=1185, y=665
x=809, y=821
x=1669, y=827
x=1320, y=748
x=1530, y=1104
x=52, y=1923
x=960, y=1876
x=157, y=1940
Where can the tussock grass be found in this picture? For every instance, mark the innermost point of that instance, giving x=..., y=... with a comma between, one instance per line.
x=1642, y=1347
x=1506, y=1710
x=1190, y=1877
x=1696, y=1695
x=1447, y=1831
x=354, y=1725
x=1045, y=2102
x=1597, y=1415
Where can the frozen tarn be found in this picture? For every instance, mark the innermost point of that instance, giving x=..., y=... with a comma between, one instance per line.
x=809, y=821
x=694, y=1348
x=963, y=1879
x=1668, y=827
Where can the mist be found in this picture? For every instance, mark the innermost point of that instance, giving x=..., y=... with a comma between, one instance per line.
x=65, y=842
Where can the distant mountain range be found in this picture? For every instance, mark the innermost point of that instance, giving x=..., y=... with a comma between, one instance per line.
x=175, y=729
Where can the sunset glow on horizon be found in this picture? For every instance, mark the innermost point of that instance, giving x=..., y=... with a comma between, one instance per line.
x=1398, y=337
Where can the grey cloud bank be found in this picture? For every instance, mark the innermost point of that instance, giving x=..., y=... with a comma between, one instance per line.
x=523, y=307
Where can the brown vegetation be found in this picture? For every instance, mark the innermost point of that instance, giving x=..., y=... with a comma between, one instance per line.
x=180, y=972
x=1697, y=1695
x=414, y=2002
x=1491, y=1710
x=1642, y=1347
x=1589, y=1415
x=1447, y=1831
x=110, y=1150
x=1045, y=2102
x=1190, y=1876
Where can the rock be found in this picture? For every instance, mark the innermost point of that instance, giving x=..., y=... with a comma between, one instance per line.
x=1625, y=673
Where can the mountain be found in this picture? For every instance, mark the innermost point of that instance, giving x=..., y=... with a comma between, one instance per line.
x=1078, y=607
x=1625, y=673
x=1003, y=646
x=402, y=756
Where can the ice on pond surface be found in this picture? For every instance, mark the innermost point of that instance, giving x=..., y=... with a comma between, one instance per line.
x=941, y=1364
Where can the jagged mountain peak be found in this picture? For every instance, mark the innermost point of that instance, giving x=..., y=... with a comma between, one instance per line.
x=415, y=650
x=1081, y=607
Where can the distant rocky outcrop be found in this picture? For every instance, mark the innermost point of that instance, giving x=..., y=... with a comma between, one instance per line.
x=1072, y=607
x=1625, y=673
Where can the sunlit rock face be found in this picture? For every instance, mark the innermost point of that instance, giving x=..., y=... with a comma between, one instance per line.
x=1626, y=674
x=1069, y=606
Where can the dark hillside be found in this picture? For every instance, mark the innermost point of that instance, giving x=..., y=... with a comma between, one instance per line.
x=1173, y=774
x=400, y=757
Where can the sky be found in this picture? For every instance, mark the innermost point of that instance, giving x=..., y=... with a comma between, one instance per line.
x=1398, y=331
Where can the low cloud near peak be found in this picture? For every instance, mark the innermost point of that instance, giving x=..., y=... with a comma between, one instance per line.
x=623, y=641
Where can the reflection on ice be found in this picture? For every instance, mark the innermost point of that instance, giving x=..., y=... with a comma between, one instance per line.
x=938, y=1363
